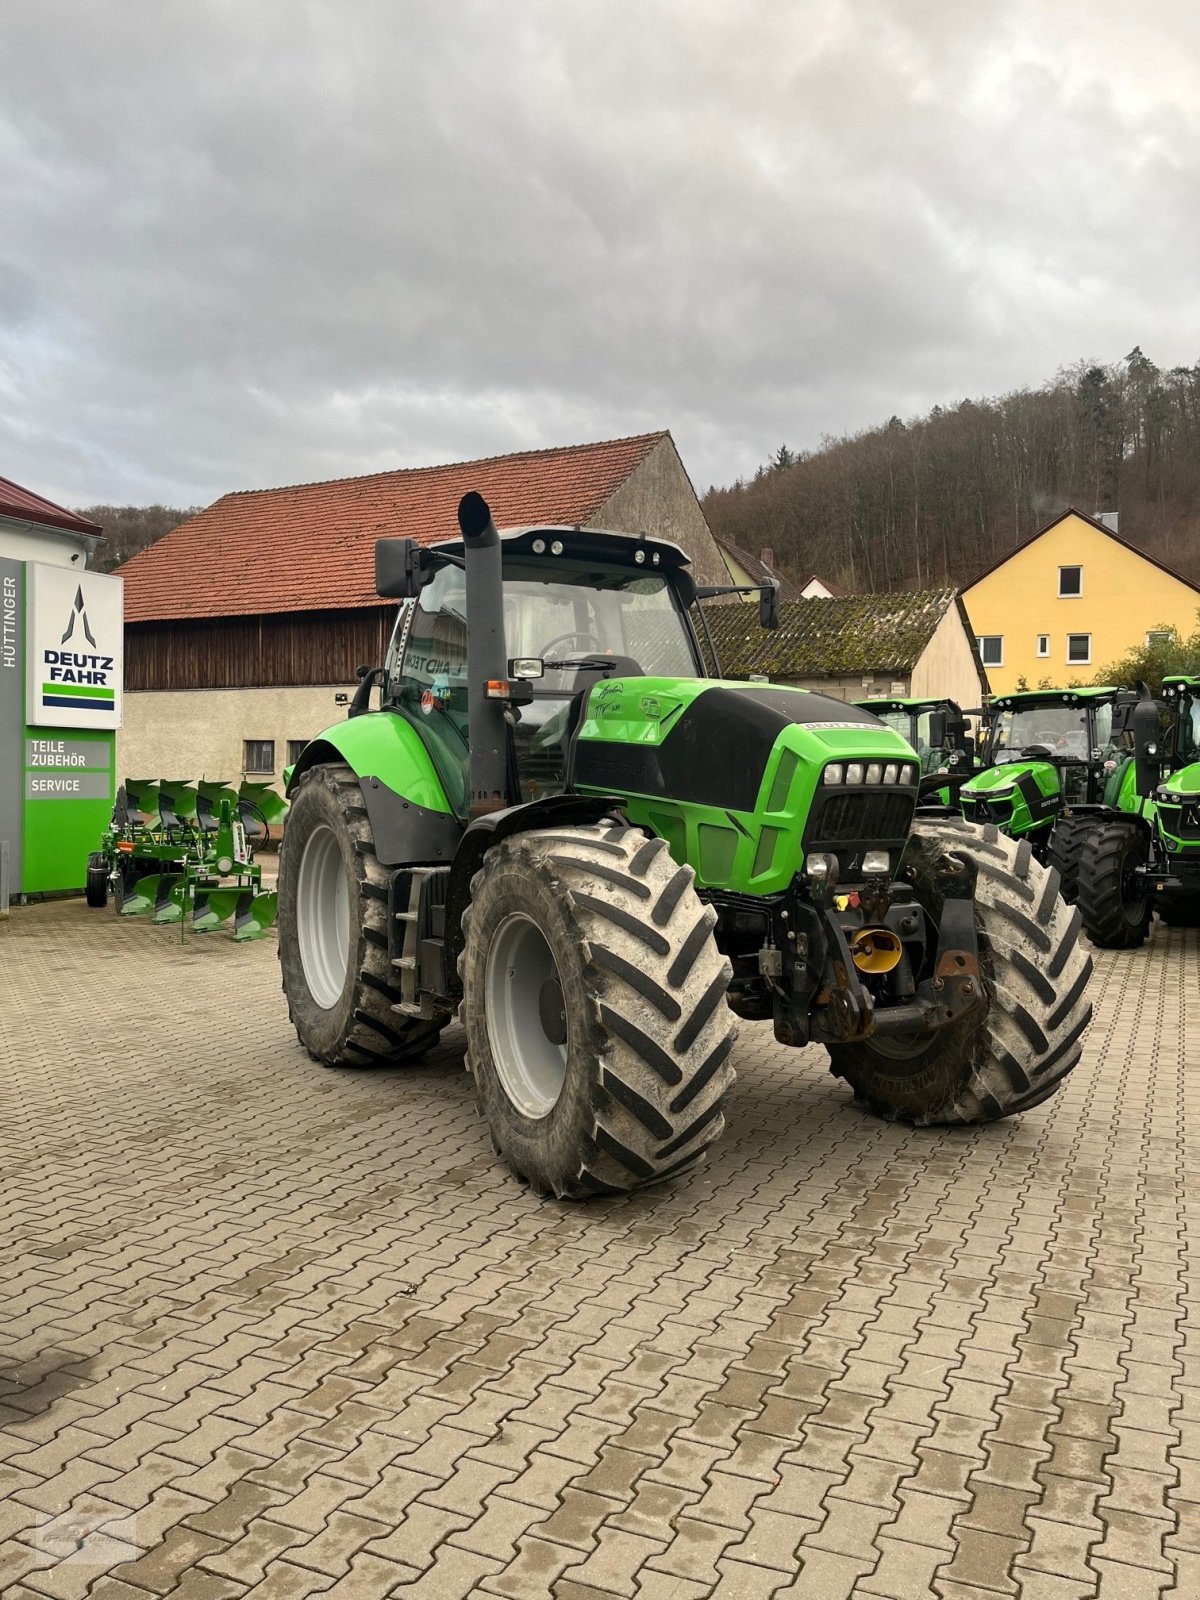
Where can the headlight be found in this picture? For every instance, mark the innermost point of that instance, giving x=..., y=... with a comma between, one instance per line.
x=855, y=772
x=891, y=772
x=820, y=867
x=876, y=863
x=834, y=772
x=999, y=794
x=875, y=772
x=909, y=774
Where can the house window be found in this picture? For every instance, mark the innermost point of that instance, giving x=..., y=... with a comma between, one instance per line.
x=1070, y=583
x=1157, y=638
x=1043, y=644
x=991, y=649
x=258, y=755
x=294, y=747
x=1079, y=648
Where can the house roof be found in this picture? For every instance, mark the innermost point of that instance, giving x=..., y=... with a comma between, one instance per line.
x=815, y=577
x=25, y=506
x=757, y=568
x=818, y=638
x=311, y=546
x=1092, y=522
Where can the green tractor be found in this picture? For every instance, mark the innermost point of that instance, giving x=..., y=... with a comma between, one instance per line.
x=1141, y=854
x=1051, y=754
x=939, y=732
x=558, y=827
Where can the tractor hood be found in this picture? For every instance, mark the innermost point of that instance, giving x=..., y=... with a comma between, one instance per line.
x=743, y=780
x=995, y=782
x=710, y=740
x=1184, y=784
x=1018, y=796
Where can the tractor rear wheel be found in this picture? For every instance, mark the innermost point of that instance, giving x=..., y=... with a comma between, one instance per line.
x=1066, y=842
x=333, y=931
x=1034, y=970
x=598, y=1034
x=97, y=879
x=1115, y=907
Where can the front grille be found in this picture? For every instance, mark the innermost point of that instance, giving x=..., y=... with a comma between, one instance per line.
x=861, y=816
x=976, y=809
x=1183, y=821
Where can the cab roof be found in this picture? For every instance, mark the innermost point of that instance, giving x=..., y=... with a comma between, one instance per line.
x=580, y=544
x=1090, y=694
x=900, y=703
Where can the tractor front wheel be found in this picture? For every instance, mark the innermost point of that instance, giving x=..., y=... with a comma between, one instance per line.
x=97, y=880
x=1115, y=906
x=1035, y=974
x=1063, y=852
x=333, y=931
x=598, y=1034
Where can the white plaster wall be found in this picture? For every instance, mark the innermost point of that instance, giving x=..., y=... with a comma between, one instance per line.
x=25, y=541
x=948, y=664
x=198, y=733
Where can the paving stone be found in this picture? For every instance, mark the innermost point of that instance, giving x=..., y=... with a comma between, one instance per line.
x=295, y=1332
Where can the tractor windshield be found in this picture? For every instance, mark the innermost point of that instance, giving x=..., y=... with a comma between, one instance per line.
x=583, y=621
x=1059, y=731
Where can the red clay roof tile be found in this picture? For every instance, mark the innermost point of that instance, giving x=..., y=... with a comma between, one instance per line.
x=311, y=547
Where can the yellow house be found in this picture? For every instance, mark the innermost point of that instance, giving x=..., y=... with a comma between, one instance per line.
x=1069, y=601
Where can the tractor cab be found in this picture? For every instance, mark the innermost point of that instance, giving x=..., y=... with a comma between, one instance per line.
x=578, y=608
x=939, y=732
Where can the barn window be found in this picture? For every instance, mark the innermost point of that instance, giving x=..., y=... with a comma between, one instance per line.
x=259, y=755
x=991, y=649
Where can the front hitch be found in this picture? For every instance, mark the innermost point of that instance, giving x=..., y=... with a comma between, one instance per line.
x=848, y=1012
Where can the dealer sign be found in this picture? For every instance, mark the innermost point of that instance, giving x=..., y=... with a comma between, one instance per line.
x=76, y=626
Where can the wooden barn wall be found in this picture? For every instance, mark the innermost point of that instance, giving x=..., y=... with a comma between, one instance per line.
x=256, y=652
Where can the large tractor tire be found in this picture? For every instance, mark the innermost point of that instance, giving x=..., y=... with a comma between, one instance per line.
x=1034, y=970
x=333, y=931
x=598, y=1034
x=1115, y=908
x=1063, y=851
x=96, y=890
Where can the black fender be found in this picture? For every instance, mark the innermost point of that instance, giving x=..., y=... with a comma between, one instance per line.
x=560, y=810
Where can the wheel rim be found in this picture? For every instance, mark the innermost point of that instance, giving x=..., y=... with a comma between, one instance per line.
x=323, y=917
x=526, y=1016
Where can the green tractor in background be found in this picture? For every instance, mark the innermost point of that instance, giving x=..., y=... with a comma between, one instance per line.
x=1051, y=755
x=940, y=733
x=558, y=827
x=1141, y=854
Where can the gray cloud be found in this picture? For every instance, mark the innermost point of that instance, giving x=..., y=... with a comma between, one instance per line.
x=247, y=245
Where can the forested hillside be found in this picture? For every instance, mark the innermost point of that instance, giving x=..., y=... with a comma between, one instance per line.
x=937, y=498
x=128, y=529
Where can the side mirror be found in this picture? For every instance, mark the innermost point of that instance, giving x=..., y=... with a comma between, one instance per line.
x=1146, y=753
x=938, y=723
x=398, y=571
x=768, y=605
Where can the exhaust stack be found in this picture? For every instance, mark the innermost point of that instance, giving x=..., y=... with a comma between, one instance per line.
x=487, y=657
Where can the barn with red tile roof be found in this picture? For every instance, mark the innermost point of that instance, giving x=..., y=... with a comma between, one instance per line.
x=243, y=623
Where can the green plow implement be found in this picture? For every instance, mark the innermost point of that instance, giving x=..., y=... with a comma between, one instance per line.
x=181, y=852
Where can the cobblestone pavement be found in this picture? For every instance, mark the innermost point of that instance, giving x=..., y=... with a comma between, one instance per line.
x=271, y=1329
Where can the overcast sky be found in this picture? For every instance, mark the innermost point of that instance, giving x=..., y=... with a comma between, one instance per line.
x=252, y=242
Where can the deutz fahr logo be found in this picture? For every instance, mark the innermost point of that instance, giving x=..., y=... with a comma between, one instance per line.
x=73, y=678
